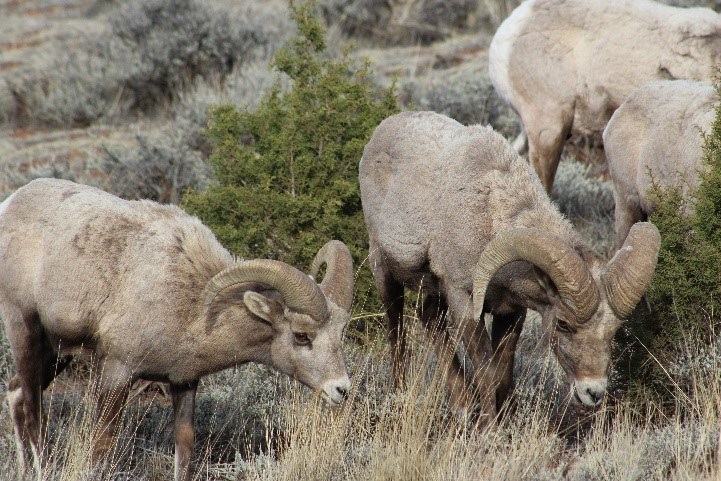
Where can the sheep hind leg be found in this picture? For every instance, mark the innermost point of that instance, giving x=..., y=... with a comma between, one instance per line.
x=31, y=351
x=51, y=367
x=433, y=317
x=183, y=397
x=17, y=413
x=392, y=295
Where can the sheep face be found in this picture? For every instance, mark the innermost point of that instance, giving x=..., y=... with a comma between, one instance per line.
x=585, y=298
x=584, y=352
x=304, y=348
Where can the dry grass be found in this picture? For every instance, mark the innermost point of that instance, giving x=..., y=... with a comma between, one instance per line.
x=380, y=434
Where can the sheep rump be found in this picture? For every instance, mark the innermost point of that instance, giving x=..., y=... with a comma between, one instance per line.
x=655, y=138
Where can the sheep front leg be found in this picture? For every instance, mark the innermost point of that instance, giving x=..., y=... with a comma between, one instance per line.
x=433, y=317
x=111, y=392
x=626, y=213
x=505, y=331
x=545, y=142
x=478, y=346
x=183, y=397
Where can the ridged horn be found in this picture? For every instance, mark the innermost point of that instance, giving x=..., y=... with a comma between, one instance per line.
x=549, y=253
x=337, y=282
x=627, y=275
x=300, y=292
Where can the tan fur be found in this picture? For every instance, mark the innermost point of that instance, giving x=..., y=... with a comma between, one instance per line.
x=434, y=194
x=655, y=137
x=80, y=268
x=566, y=65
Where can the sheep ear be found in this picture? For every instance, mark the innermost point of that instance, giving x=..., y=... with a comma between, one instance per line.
x=545, y=283
x=263, y=307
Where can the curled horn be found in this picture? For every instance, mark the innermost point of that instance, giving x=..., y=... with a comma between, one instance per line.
x=337, y=283
x=626, y=276
x=548, y=252
x=300, y=293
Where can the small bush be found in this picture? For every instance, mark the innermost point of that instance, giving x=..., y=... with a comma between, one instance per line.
x=357, y=18
x=150, y=51
x=243, y=87
x=168, y=43
x=399, y=23
x=160, y=168
x=466, y=95
x=169, y=160
x=285, y=177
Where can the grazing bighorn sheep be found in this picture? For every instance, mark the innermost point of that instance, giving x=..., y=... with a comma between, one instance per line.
x=566, y=65
x=154, y=295
x=654, y=137
x=455, y=211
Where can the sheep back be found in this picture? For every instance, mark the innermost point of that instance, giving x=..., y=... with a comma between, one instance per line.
x=436, y=192
x=90, y=263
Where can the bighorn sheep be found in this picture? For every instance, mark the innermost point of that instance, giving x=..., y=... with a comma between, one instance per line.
x=154, y=295
x=566, y=65
x=456, y=211
x=654, y=137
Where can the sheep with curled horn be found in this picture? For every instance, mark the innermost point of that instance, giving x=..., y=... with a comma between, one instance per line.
x=456, y=211
x=154, y=295
x=654, y=138
x=566, y=65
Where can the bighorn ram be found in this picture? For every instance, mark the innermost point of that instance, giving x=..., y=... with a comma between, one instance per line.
x=655, y=138
x=456, y=211
x=154, y=295
x=566, y=65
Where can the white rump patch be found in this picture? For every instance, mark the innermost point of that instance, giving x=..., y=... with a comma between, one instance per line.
x=499, y=53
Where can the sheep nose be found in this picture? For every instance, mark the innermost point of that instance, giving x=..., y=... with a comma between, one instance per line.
x=595, y=395
x=343, y=391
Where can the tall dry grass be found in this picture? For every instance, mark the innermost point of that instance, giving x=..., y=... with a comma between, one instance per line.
x=380, y=434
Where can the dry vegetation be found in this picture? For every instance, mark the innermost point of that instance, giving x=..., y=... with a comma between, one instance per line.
x=77, y=101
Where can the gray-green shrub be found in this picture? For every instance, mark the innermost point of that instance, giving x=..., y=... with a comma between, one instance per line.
x=467, y=96
x=400, y=23
x=151, y=51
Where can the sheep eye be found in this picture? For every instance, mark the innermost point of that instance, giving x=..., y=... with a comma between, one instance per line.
x=301, y=338
x=563, y=326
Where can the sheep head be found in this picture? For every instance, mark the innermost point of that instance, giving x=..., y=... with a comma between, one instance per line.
x=306, y=319
x=585, y=304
